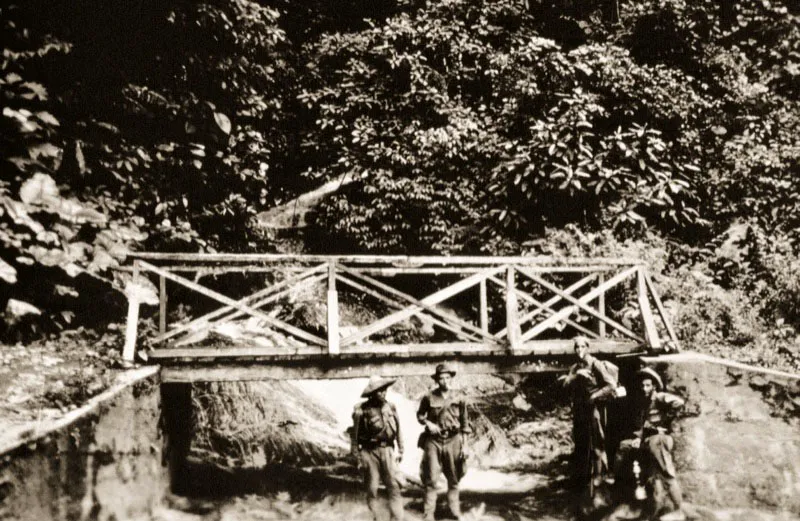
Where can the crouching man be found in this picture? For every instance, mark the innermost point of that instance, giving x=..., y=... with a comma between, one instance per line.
x=443, y=413
x=376, y=431
x=652, y=441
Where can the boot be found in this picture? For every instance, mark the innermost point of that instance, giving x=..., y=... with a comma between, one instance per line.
x=454, y=502
x=372, y=504
x=429, y=507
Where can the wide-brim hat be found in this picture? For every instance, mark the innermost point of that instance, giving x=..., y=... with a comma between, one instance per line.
x=647, y=372
x=376, y=383
x=443, y=369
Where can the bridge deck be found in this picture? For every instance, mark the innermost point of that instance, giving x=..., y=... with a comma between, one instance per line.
x=488, y=315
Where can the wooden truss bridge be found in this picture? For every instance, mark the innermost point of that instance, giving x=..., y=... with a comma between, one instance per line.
x=312, y=316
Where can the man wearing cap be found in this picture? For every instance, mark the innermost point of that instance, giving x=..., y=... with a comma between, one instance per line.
x=651, y=413
x=443, y=413
x=592, y=384
x=376, y=430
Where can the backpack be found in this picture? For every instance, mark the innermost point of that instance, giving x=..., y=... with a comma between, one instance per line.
x=373, y=423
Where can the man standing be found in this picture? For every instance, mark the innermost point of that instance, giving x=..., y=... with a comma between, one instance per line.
x=652, y=413
x=592, y=384
x=443, y=413
x=376, y=430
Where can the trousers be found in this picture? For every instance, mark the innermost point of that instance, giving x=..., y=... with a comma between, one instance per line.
x=379, y=466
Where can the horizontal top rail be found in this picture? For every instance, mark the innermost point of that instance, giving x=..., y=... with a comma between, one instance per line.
x=386, y=259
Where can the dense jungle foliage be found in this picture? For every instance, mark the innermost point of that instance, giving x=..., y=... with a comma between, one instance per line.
x=478, y=127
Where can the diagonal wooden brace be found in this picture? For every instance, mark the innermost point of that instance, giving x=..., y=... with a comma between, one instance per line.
x=274, y=322
x=581, y=303
x=547, y=305
x=397, y=305
x=426, y=303
x=255, y=300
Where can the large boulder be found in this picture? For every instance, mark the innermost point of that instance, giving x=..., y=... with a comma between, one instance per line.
x=739, y=447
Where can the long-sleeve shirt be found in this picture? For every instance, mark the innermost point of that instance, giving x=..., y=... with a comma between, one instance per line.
x=448, y=412
x=600, y=382
x=653, y=413
x=376, y=424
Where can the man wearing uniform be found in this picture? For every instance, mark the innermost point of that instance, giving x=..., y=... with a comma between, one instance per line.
x=652, y=413
x=376, y=430
x=444, y=416
x=592, y=384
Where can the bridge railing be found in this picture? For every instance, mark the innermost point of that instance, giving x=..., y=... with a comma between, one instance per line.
x=517, y=305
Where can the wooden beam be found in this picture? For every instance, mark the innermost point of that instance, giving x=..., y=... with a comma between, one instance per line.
x=426, y=303
x=512, y=311
x=256, y=372
x=651, y=332
x=255, y=300
x=542, y=306
x=483, y=307
x=550, y=302
x=162, y=305
x=552, y=357
x=278, y=324
x=581, y=303
x=601, y=306
x=661, y=310
x=132, y=322
x=363, y=352
x=396, y=305
x=587, y=264
x=333, y=311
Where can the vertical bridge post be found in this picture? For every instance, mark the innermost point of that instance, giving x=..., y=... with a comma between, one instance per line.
x=162, y=305
x=601, y=305
x=132, y=324
x=484, y=307
x=333, y=311
x=651, y=332
x=512, y=320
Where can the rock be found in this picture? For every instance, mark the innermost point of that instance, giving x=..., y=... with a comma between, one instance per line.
x=735, y=454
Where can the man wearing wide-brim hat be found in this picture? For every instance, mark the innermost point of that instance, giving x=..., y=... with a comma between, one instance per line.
x=443, y=413
x=652, y=413
x=376, y=432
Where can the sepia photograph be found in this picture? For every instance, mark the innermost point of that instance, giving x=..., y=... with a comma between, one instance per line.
x=400, y=260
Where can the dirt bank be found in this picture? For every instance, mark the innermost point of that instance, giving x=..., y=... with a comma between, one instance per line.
x=101, y=461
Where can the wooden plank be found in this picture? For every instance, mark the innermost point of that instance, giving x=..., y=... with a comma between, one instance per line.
x=333, y=311
x=651, y=332
x=396, y=305
x=542, y=306
x=255, y=300
x=409, y=261
x=512, y=311
x=581, y=303
x=261, y=372
x=555, y=347
x=553, y=357
x=426, y=303
x=550, y=302
x=419, y=348
x=231, y=352
x=584, y=306
x=278, y=324
x=601, y=307
x=483, y=307
x=162, y=305
x=662, y=311
x=205, y=269
x=132, y=322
